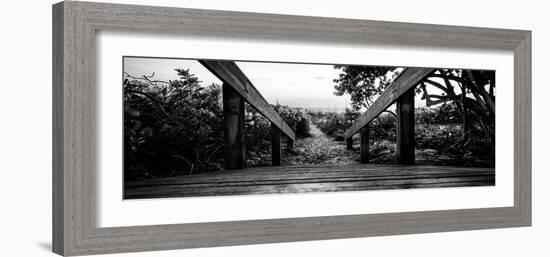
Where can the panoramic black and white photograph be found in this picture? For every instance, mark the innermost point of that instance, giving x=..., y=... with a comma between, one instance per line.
x=203, y=127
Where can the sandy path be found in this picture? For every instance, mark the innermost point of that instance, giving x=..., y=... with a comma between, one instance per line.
x=319, y=149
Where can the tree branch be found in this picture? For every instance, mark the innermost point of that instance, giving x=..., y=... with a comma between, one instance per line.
x=146, y=78
x=489, y=102
x=150, y=97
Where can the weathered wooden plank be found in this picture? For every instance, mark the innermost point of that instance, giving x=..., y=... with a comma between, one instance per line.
x=330, y=186
x=275, y=145
x=405, y=128
x=291, y=179
x=278, y=180
x=354, y=166
x=365, y=131
x=285, y=172
x=233, y=115
x=304, y=186
x=230, y=73
x=408, y=78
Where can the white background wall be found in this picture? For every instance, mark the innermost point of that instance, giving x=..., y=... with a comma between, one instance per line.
x=25, y=128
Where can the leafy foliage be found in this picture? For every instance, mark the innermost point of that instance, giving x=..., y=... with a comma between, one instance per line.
x=257, y=132
x=297, y=119
x=334, y=124
x=446, y=113
x=437, y=130
x=384, y=127
x=176, y=128
x=172, y=128
x=471, y=91
x=363, y=83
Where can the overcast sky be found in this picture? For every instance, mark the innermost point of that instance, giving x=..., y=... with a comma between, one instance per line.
x=296, y=85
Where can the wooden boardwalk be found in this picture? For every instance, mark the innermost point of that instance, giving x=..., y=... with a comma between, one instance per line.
x=302, y=179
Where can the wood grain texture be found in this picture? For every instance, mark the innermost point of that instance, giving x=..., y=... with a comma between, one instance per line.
x=408, y=78
x=364, y=148
x=233, y=120
x=295, y=179
x=286, y=28
x=58, y=208
x=522, y=130
x=405, y=128
x=231, y=74
x=74, y=141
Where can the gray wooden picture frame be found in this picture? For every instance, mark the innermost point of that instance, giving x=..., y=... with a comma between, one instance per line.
x=74, y=127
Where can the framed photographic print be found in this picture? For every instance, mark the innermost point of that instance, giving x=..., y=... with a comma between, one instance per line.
x=183, y=128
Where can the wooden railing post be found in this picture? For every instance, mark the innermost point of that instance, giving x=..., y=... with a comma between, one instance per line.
x=365, y=144
x=233, y=114
x=407, y=79
x=230, y=73
x=349, y=143
x=275, y=145
x=405, y=128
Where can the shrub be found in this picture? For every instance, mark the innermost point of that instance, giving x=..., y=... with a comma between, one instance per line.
x=384, y=127
x=257, y=131
x=296, y=118
x=176, y=128
x=171, y=129
x=438, y=137
x=446, y=113
x=334, y=124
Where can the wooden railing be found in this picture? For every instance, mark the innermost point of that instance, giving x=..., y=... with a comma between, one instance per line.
x=401, y=91
x=237, y=89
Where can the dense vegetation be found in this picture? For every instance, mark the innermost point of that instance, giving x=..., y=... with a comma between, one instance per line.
x=471, y=91
x=176, y=127
x=332, y=123
x=439, y=136
x=296, y=118
x=258, y=132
